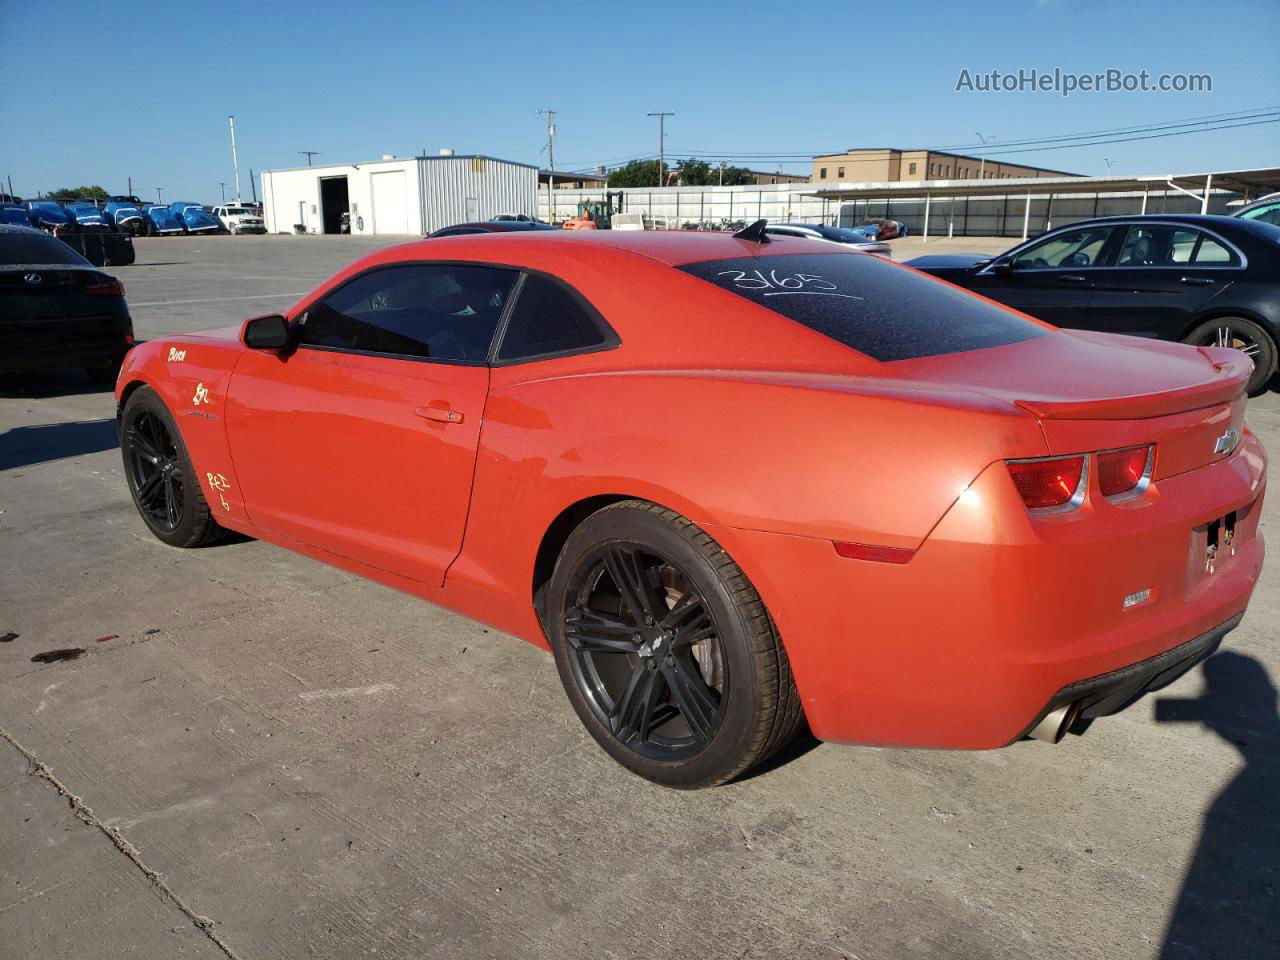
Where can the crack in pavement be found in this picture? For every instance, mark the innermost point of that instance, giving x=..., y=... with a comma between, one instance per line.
x=86, y=815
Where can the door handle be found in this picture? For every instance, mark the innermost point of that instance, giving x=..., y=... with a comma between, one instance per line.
x=1197, y=281
x=1072, y=278
x=439, y=414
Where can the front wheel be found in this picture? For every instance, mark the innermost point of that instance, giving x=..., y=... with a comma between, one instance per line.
x=164, y=485
x=1247, y=337
x=665, y=649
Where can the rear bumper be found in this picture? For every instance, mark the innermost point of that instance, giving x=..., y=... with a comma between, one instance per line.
x=997, y=614
x=1112, y=692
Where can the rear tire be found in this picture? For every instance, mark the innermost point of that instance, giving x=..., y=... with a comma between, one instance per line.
x=162, y=481
x=1247, y=336
x=686, y=683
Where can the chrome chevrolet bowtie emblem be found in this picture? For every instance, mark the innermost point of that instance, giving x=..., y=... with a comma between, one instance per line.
x=1227, y=442
x=32, y=278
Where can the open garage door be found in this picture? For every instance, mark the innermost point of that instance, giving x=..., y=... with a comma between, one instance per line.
x=390, y=205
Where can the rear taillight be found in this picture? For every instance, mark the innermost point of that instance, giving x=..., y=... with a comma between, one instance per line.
x=1051, y=483
x=109, y=288
x=1124, y=472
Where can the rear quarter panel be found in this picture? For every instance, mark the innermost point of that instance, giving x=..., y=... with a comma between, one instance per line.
x=829, y=458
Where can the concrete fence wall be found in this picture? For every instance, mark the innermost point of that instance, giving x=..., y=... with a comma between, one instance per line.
x=972, y=216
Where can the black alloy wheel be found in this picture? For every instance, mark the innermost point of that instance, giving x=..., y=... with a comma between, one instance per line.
x=1239, y=333
x=666, y=650
x=645, y=650
x=155, y=471
x=157, y=467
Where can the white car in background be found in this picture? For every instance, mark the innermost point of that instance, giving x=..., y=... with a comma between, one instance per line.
x=239, y=219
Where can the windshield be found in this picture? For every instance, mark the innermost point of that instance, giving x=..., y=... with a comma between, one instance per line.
x=37, y=248
x=237, y=211
x=870, y=304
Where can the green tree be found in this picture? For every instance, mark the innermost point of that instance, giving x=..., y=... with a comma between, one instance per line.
x=637, y=173
x=733, y=176
x=94, y=192
x=694, y=172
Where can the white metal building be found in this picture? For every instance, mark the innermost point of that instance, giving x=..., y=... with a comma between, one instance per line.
x=397, y=195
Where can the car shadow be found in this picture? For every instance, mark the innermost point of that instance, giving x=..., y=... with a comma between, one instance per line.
x=25, y=446
x=51, y=383
x=1229, y=905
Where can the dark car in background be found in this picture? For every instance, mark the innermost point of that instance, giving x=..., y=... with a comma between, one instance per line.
x=864, y=238
x=57, y=310
x=490, y=226
x=48, y=215
x=1205, y=280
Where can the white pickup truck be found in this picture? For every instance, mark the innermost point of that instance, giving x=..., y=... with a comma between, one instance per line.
x=238, y=219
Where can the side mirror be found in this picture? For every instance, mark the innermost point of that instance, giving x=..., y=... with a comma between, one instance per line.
x=266, y=333
x=1002, y=267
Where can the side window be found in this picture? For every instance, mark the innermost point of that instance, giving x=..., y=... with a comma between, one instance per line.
x=1075, y=248
x=1269, y=213
x=549, y=318
x=1212, y=253
x=427, y=311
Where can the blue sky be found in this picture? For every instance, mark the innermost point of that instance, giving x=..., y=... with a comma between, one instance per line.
x=143, y=89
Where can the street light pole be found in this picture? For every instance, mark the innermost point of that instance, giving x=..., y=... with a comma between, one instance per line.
x=223, y=185
x=982, y=160
x=662, y=142
x=158, y=201
x=551, y=164
x=235, y=161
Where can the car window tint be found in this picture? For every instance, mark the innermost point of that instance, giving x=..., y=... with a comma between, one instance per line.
x=436, y=312
x=549, y=318
x=1075, y=248
x=877, y=307
x=1211, y=252
x=37, y=248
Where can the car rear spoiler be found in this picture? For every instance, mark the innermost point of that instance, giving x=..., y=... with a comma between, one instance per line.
x=1230, y=374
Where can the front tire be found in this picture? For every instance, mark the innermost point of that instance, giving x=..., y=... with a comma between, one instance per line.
x=162, y=481
x=1243, y=335
x=665, y=649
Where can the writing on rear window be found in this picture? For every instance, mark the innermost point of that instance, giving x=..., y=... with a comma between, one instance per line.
x=869, y=304
x=786, y=284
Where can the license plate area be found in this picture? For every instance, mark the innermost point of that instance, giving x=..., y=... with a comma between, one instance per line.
x=1215, y=544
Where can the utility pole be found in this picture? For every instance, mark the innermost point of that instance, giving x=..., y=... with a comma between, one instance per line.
x=253, y=185
x=551, y=162
x=310, y=154
x=982, y=159
x=235, y=161
x=662, y=143
x=223, y=185
x=722, y=173
x=130, y=187
x=158, y=201
x=1108, y=163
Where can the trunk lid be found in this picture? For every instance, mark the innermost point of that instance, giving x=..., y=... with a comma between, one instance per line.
x=1097, y=391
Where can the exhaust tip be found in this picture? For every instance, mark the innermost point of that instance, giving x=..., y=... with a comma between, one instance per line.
x=1055, y=724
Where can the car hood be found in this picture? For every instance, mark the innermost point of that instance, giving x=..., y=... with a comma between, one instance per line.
x=1084, y=375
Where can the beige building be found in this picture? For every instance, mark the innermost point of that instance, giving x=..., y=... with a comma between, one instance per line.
x=887, y=164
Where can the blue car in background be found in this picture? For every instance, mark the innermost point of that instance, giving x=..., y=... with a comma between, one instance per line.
x=195, y=217
x=125, y=216
x=86, y=214
x=48, y=215
x=15, y=214
x=161, y=220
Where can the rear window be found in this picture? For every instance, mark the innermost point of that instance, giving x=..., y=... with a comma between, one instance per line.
x=869, y=304
x=37, y=248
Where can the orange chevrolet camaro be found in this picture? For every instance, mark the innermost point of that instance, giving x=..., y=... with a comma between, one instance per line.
x=733, y=483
